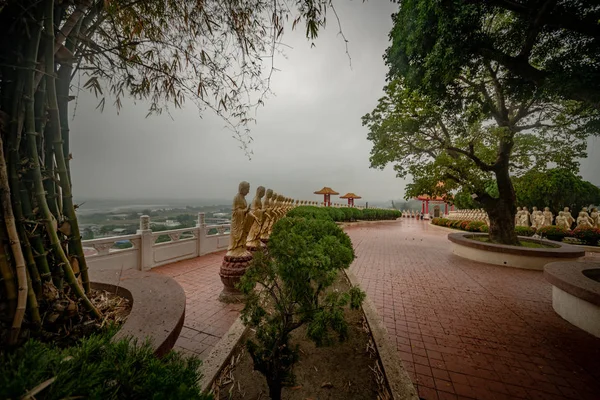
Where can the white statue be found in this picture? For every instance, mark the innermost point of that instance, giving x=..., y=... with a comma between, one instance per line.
x=595, y=216
x=518, y=216
x=584, y=220
x=568, y=216
x=524, y=218
x=547, y=217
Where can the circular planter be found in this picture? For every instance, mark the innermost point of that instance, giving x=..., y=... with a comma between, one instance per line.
x=512, y=256
x=576, y=293
x=157, y=305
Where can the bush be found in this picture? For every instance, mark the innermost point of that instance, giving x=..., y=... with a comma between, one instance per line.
x=553, y=232
x=475, y=226
x=310, y=212
x=463, y=225
x=96, y=368
x=484, y=228
x=304, y=259
x=343, y=214
x=588, y=235
x=524, y=231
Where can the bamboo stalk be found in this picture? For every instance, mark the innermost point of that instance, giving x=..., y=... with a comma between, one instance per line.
x=36, y=241
x=64, y=180
x=8, y=277
x=75, y=245
x=13, y=236
x=49, y=182
x=32, y=304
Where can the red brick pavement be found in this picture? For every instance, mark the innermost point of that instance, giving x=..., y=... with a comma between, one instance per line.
x=206, y=318
x=467, y=330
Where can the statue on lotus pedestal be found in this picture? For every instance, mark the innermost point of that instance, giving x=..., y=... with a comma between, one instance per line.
x=238, y=257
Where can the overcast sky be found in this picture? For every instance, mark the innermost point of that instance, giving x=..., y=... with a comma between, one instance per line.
x=307, y=136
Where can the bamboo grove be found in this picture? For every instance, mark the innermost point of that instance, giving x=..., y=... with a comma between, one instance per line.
x=44, y=272
x=218, y=54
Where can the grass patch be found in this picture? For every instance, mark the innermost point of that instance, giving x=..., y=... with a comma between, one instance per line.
x=522, y=243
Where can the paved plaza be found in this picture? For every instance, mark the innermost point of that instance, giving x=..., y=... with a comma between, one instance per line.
x=464, y=330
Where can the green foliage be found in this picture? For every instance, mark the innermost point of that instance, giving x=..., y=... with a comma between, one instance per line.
x=555, y=188
x=465, y=118
x=475, y=226
x=553, y=232
x=588, y=235
x=97, y=368
x=293, y=280
x=433, y=42
x=343, y=214
x=524, y=230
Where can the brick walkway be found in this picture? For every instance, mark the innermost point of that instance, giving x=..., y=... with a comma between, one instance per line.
x=206, y=318
x=470, y=330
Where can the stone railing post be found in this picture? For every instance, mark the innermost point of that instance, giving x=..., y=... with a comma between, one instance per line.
x=201, y=227
x=146, y=243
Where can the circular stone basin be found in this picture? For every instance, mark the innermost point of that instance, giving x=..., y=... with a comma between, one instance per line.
x=157, y=305
x=511, y=256
x=576, y=293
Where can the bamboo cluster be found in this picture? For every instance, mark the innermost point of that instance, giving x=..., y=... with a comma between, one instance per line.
x=42, y=264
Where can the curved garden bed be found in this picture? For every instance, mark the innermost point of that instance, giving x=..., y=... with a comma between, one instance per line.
x=576, y=293
x=158, y=305
x=512, y=256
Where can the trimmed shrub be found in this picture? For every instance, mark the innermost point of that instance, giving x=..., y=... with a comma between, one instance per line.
x=463, y=225
x=484, y=228
x=474, y=226
x=588, y=235
x=524, y=230
x=553, y=232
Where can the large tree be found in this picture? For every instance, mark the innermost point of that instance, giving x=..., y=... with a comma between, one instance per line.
x=476, y=143
x=456, y=111
x=553, y=45
x=216, y=53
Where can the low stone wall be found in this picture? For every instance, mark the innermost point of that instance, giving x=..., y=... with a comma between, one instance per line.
x=146, y=253
x=576, y=293
x=158, y=305
x=512, y=256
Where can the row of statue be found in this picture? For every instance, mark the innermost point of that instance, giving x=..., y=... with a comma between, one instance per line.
x=470, y=215
x=251, y=227
x=564, y=219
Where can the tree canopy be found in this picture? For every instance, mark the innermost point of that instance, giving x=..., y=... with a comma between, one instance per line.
x=556, y=188
x=550, y=45
x=457, y=110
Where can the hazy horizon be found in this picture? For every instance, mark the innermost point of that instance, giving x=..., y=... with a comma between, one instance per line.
x=308, y=134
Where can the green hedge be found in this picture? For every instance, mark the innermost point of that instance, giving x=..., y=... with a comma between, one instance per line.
x=553, y=232
x=97, y=368
x=343, y=214
x=588, y=235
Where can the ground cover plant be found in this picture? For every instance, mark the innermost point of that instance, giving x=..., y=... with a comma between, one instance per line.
x=97, y=368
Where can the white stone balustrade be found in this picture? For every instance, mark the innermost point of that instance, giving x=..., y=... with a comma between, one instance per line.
x=145, y=253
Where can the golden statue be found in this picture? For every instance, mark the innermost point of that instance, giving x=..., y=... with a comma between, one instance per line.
x=269, y=209
x=241, y=222
x=256, y=211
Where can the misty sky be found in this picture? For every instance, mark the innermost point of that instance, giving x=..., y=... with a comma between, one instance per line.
x=308, y=135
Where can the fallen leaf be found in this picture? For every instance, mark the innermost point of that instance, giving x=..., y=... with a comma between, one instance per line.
x=327, y=385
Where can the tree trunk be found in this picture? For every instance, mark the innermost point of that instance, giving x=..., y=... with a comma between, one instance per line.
x=502, y=222
x=274, y=389
x=502, y=211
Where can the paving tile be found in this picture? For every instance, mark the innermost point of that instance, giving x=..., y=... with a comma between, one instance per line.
x=488, y=326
